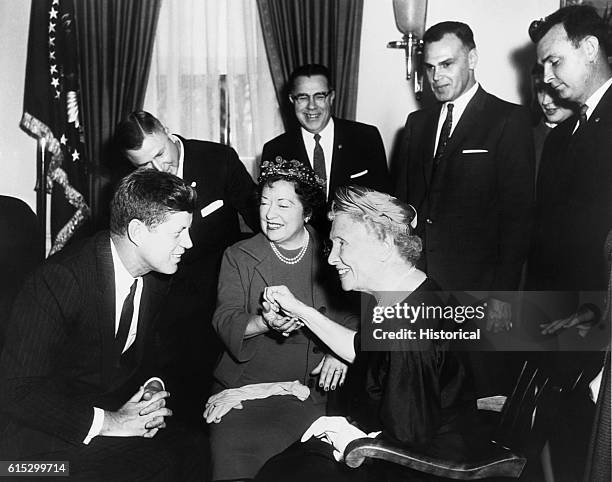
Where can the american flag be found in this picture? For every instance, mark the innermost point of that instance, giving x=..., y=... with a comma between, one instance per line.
x=51, y=112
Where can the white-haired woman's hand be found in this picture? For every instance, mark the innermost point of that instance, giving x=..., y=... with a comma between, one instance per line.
x=277, y=321
x=282, y=301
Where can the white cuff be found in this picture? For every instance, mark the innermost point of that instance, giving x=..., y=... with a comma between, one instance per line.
x=153, y=379
x=96, y=425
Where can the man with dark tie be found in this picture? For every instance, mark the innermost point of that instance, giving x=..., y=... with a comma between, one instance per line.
x=574, y=201
x=225, y=189
x=340, y=151
x=574, y=214
x=76, y=371
x=467, y=166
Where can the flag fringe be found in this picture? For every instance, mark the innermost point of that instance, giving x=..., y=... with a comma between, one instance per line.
x=56, y=173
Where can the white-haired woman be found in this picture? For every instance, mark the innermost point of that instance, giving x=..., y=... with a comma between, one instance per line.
x=416, y=385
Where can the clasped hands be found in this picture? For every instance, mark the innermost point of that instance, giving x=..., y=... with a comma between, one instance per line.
x=277, y=312
x=143, y=415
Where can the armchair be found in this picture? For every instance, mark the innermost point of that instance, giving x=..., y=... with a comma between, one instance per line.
x=517, y=434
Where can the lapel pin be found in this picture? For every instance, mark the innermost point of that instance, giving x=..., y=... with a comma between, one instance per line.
x=597, y=119
x=194, y=184
x=339, y=146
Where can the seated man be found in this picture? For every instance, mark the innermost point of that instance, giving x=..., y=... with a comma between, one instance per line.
x=78, y=346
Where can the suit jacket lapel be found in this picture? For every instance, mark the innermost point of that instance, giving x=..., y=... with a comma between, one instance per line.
x=471, y=115
x=151, y=294
x=430, y=143
x=336, y=160
x=105, y=303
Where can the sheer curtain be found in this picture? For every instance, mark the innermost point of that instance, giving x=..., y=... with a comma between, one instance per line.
x=210, y=77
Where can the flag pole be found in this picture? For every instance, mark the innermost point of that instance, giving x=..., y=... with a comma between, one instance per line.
x=41, y=193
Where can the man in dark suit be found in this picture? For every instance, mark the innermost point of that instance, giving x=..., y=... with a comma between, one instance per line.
x=78, y=350
x=467, y=166
x=224, y=189
x=340, y=151
x=574, y=202
x=574, y=208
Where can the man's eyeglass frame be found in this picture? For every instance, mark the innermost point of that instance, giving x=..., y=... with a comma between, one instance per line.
x=304, y=99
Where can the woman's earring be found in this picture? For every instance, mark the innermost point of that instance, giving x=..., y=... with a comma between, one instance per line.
x=306, y=219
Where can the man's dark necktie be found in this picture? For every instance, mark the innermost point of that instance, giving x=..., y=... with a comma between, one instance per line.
x=318, y=159
x=582, y=117
x=125, y=320
x=445, y=133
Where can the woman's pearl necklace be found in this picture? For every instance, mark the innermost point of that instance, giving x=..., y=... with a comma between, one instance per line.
x=297, y=258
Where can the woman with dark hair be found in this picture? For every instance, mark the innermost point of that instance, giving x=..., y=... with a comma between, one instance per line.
x=268, y=355
x=548, y=110
x=416, y=386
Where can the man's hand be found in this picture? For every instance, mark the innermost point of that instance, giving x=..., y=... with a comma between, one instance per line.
x=336, y=431
x=151, y=388
x=499, y=315
x=331, y=371
x=137, y=417
x=583, y=320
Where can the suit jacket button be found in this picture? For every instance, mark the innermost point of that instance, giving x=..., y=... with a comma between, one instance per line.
x=316, y=349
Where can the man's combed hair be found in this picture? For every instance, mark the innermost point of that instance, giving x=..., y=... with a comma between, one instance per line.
x=130, y=133
x=149, y=196
x=461, y=30
x=579, y=21
x=310, y=70
x=384, y=215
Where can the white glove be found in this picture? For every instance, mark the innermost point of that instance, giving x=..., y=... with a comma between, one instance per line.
x=336, y=431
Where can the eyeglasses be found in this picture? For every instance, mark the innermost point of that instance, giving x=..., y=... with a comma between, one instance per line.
x=304, y=99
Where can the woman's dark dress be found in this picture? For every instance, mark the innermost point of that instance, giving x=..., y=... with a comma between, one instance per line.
x=418, y=391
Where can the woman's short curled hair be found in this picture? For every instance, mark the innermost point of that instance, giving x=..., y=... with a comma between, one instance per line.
x=382, y=214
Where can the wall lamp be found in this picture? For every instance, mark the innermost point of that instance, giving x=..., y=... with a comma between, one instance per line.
x=410, y=21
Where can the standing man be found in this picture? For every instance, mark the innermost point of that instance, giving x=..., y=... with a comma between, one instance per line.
x=574, y=202
x=224, y=189
x=467, y=166
x=340, y=151
x=78, y=349
x=574, y=210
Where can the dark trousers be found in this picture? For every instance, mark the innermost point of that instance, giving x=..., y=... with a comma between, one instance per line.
x=174, y=454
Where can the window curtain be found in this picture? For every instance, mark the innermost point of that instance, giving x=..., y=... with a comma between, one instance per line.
x=210, y=78
x=115, y=42
x=325, y=32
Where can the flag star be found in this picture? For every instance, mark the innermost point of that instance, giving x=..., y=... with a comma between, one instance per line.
x=53, y=69
x=55, y=82
x=51, y=55
x=63, y=140
x=52, y=13
x=75, y=155
x=51, y=27
x=55, y=2
x=51, y=41
x=57, y=94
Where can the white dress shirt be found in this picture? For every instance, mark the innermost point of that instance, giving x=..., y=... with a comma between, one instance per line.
x=181, y=161
x=459, y=105
x=123, y=283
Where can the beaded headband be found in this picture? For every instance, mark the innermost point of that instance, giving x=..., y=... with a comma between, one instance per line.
x=292, y=170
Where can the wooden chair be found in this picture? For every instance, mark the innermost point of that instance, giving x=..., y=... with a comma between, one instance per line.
x=515, y=436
